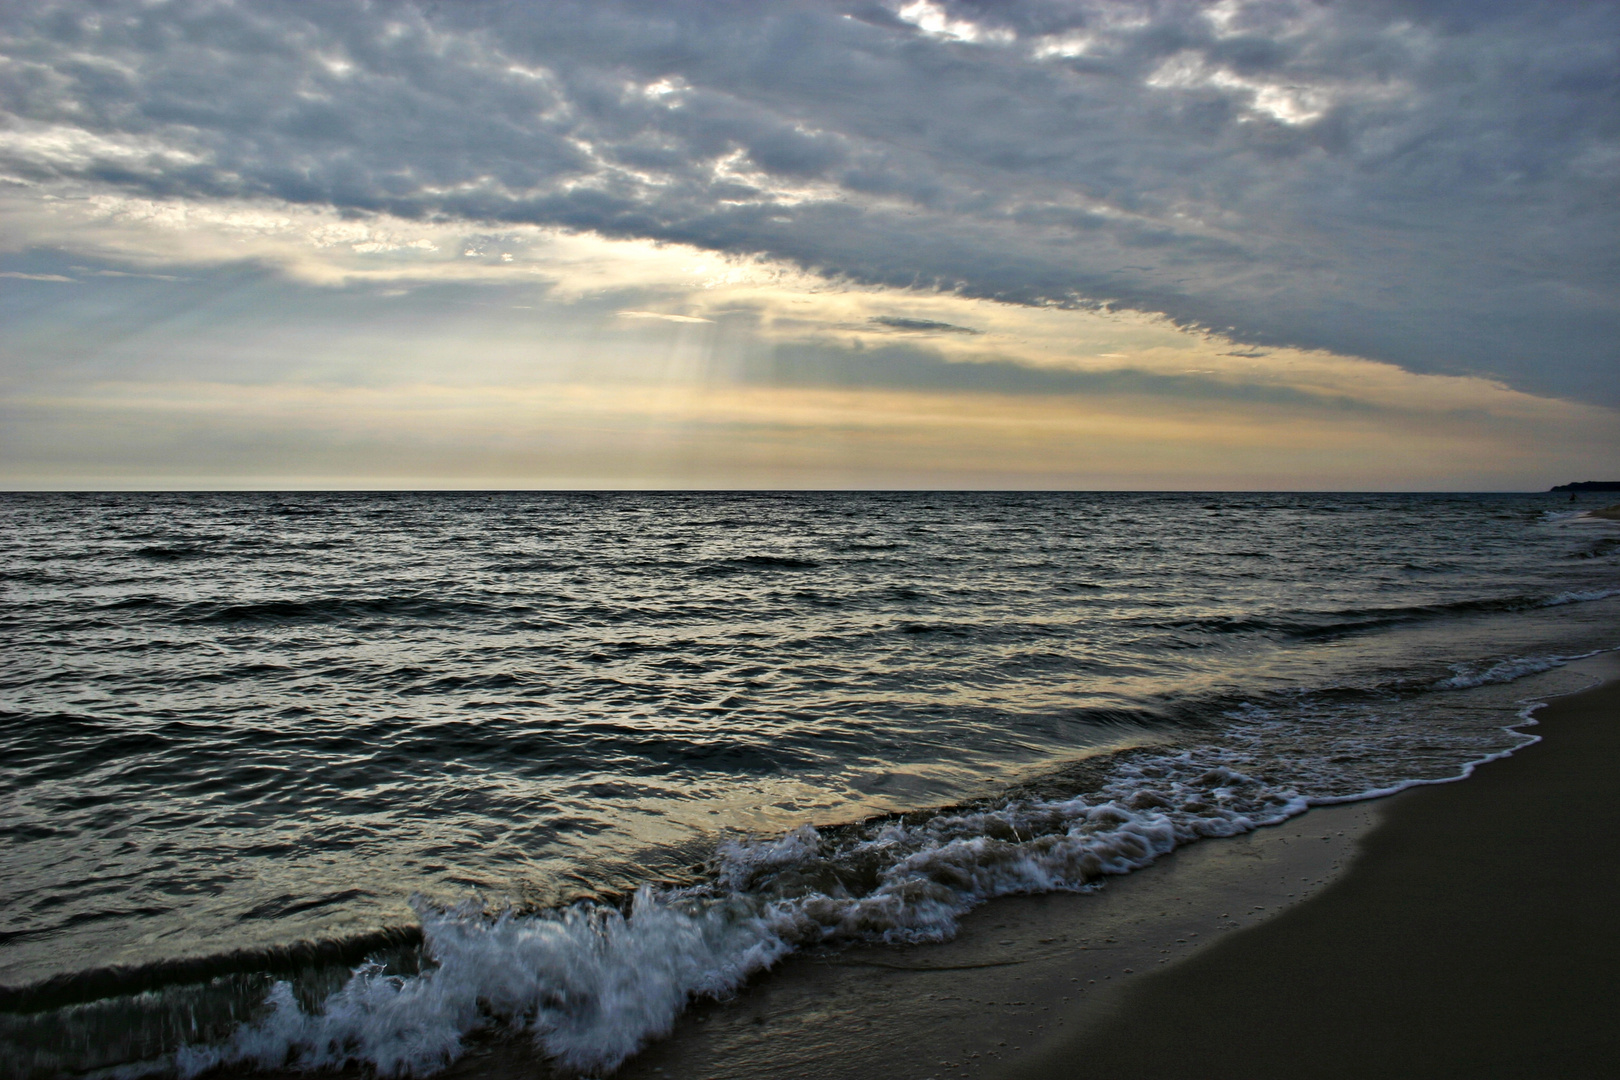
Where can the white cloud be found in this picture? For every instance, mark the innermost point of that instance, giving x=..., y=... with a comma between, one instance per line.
x=934, y=19
x=66, y=148
x=664, y=316
x=1287, y=103
x=1069, y=45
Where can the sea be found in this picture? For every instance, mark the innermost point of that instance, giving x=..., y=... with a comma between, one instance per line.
x=326, y=780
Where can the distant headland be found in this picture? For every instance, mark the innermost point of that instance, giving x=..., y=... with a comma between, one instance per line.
x=1589, y=485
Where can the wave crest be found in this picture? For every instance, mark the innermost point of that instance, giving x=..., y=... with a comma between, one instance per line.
x=593, y=983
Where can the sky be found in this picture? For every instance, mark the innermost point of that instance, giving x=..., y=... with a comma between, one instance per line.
x=1072, y=244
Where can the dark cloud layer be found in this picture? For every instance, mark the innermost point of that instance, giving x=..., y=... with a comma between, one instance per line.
x=1433, y=184
x=920, y=326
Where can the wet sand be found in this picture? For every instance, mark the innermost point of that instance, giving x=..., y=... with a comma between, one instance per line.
x=1476, y=935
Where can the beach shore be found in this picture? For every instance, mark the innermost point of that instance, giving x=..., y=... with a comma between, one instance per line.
x=1021, y=971
x=1474, y=936
x=1461, y=929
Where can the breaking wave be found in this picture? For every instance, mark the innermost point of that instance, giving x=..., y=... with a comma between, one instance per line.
x=593, y=983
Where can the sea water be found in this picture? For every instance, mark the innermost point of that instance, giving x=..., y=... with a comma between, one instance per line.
x=329, y=779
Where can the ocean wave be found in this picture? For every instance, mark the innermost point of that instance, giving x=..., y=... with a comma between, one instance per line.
x=171, y=553
x=331, y=609
x=1579, y=596
x=1326, y=624
x=1504, y=671
x=592, y=983
x=328, y=609
x=746, y=563
x=76, y=988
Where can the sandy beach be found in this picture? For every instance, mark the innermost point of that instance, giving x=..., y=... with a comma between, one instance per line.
x=1474, y=936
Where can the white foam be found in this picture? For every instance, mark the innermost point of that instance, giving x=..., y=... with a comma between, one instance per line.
x=1500, y=672
x=1512, y=669
x=593, y=985
x=1526, y=717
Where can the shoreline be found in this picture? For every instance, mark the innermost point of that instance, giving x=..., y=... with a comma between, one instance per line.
x=1037, y=987
x=1474, y=936
x=1021, y=970
x=1052, y=985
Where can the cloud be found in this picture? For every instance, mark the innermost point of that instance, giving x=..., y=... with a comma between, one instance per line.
x=920, y=326
x=35, y=277
x=131, y=274
x=662, y=315
x=907, y=368
x=1428, y=184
